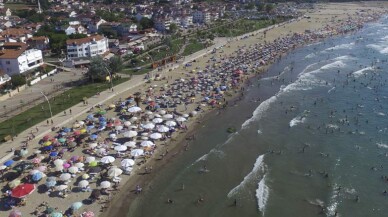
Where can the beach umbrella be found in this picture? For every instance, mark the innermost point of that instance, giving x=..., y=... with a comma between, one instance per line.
x=157, y=120
x=185, y=115
x=163, y=129
x=93, y=137
x=134, y=109
x=146, y=144
x=112, y=106
x=32, y=172
x=127, y=163
x=14, y=183
x=37, y=176
x=62, y=140
x=133, y=119
x=180, y=119
x=113, y=136
x=101, y=151
x=81, y=122
x=65, y=176
x=53, y=154
x=193, y=113
x=101, y=112
x=61, y=187
x=36, y=160
x=93, y=163
x=127, y=123
x=48, y=143
x=74, y=158
x=76, y=205
x=42, y=168
x=88, y=214
x=66, y=165
x=23, y=190
x=130, y=144
x=66, y=130
x=50, y=183
x=15, y=213
x=162, y=112
x=89, y=159
x=23, y=166
x=156, y=136
x=130, y=134
x=85, y=176
x=83, y=184
x=58, y=162
x=107, y=159
x=51, y=178
x=9, y=163
x=90, y=116
x=148, y=126
x=59, y=168
x=76, y=125
x=73, y=170
x=49, y=210
x=23, y=152
x=48, y=148
x=93, y=145
x=137, y=152
x=88, y=128
x=56, y=214
x=79, y=165
x=2, y=167
x=105, y=184
x=113, y=172
x=168, y=116
x=119, y=128
x=121, y=148
x=170, y=123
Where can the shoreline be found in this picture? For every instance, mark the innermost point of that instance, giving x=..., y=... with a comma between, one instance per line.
x=123, y=199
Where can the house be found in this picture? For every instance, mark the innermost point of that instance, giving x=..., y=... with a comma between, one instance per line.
x=94, y=26
x=15, y=58
x=186, y=21
x=162, y=25
x=75, y=29
x=16, y=34
x=87, y=47
x=40, y=43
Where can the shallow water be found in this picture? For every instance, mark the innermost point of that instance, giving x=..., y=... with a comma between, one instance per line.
x=314, y=141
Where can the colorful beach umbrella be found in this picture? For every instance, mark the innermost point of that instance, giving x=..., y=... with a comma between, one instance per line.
x=8, y=163
x=23, y=190
x=15, y=213
x=83, y=184
x=76, y=205
x=88, y=214
x=14, y=183
x=105, y=184
x=127, y=163
x=56, y=214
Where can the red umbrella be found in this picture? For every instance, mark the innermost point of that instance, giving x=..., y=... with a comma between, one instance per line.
x=23, y=190
x=15, y=213
x=88, y=214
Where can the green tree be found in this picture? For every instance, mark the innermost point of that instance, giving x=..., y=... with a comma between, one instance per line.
x=146, y=23
x=269, y=7
x=97, y=69
x=173, y=28
x=77, y=36
x=18, y=80
x=116, y=64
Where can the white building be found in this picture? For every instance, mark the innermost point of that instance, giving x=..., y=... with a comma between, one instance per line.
x=75, y=29
x=186, y=21
x=201, y=17
x=95, y=25
x=87, y=47
x=16, y=59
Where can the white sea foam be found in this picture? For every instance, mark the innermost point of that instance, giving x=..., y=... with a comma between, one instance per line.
x=332, y=207
x=329, y=91
x=381, y=114
x=297, y=120
x=286, y=69
x=312, y=55
x=259, y=132
x=382, y=48
x=341, y=46
x=259, y=165
x=361, y=71
x=260, y=110
x=381, y=145
x=262, y=194
x=333, y=126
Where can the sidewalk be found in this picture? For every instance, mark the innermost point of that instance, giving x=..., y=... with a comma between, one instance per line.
x=61, y=120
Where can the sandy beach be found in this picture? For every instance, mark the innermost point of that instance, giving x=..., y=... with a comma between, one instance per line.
x=116, y=201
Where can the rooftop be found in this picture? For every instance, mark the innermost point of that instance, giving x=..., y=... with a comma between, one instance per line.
x=84, y=40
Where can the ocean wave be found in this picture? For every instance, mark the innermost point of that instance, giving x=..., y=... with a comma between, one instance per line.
x=380, y=114
x=361, y=72
x=332, y=207
x=329, y=91
x=262, y=194
x=259, y=132
x=381, y=145
x=333, y=126
x=297, y=120
x=256, y=167
x=309, y=56
x=260, y=110
x=383, y=49
x=286, y=69
x=341, y=46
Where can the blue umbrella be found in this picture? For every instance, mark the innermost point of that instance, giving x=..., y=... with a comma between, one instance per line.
x=90, y=116
x=103, y=123
x=37, y=176
x=90, y=127
x=63, y=133
x=8, y=163
x=48, y=148
x=76, y=205
x=53, y=154
x=102, y=119
x=66, y=130
x=51, y=183
x=101, y=128
x=93, y=136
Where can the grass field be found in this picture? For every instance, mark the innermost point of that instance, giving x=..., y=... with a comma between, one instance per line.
x=14, y=6
x=40, y=112
x=193, y=47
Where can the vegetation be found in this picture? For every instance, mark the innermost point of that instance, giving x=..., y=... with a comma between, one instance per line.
x=40, y=112
x=57, y=38
x=116, y=64
x=77, y=36
x=98, y=69
x=193, y=47
x=146, y=23
x=18, y=80
x=109, y=16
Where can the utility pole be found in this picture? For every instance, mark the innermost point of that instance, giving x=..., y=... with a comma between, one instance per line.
x=51, y=114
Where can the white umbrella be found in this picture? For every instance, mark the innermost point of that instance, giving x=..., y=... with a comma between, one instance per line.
x=163, y=129
x=185, y=115
x=61, y=187
x=149, y=113
x=121, y=148
x=133, y=119
x=170, y=123
x=89, y=159
x=127, y=123
x=134, y=109
x=65, y=176
x=157, y=116
x=59, y=168
x=101, y=151
x=130, y=134
x=79, y=165
x=137, y=152
x=112, y=136
x=168, y=116
x=127, y=163
x=146, y=144
x=105, y=184
x=83, y=184
x=58, y=162
x=119, y=128
x=157, y=120
x=162, y=112
x=180, y=119
x=156, y=136
x=93, y=145
x=130, y=144
x=113, y=172
x=73, y=170
x=81, y=122
x=2, y=167
x=149, y=126
x=193, y=113
x=107, y=159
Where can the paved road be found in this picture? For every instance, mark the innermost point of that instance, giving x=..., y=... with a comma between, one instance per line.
x=80, y=109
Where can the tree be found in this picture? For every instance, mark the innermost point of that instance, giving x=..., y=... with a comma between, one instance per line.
x=98, y=69
x=115, y=64
x=77, y=36
x=146, y=23
x=18, y=80
x=269, y=7
x=173, y=28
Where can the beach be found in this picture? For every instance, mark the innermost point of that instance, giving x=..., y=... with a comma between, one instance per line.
x=181, y=79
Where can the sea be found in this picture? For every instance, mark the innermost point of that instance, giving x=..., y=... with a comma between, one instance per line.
x=311, y=140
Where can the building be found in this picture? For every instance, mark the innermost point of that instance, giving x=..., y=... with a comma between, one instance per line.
x=15, y=58
x=87, y=47
x=94, y=26
x=201, y=16
x=186, y=21
x=75, y=29
x=40, y=42
x=162, y=25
